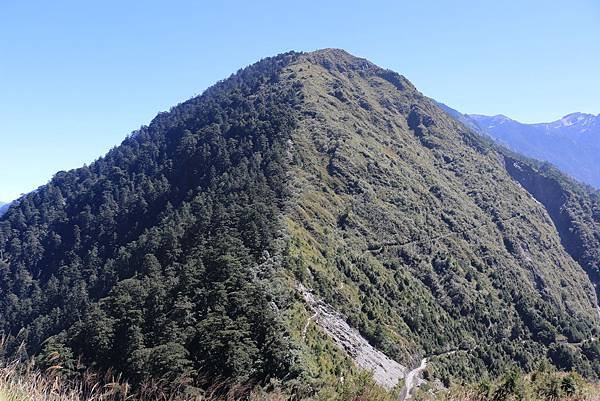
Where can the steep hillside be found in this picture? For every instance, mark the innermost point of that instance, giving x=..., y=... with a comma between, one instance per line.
x=573, y=207
x=153, y=260
x=410, y=225
x=178, y=254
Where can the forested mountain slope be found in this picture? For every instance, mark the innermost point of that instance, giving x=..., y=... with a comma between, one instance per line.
x=177, y=253
x=151, y=260
x=411, y=226
x=573, y=206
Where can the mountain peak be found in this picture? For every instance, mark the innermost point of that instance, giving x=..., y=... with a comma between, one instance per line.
x=495, y=117
x=497, y=120
x=341, y=62
x=338, y=59
x=332, y=52
x=576, y=118
x=317, y=171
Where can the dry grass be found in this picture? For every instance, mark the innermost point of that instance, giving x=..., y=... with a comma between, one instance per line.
x=25, y=381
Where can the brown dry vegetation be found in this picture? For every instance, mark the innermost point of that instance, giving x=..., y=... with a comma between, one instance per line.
x=24, y=381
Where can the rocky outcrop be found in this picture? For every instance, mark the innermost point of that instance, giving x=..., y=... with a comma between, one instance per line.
x=386, y=372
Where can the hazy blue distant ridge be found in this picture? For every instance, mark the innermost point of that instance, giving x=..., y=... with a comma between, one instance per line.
x=571, y=143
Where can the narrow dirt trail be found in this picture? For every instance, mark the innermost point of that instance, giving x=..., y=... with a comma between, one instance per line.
x=378, y=248
x=412, y=380
x=409, y=381
x=305, y=328
x=386, y=372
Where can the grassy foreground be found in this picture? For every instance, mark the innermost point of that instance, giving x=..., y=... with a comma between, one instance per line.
x=25, y=382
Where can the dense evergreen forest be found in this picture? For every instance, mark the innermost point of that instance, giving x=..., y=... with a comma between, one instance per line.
x=152, y=260
x=175, y=256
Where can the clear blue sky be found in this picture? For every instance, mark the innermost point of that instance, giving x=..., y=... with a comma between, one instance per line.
x=76, y=77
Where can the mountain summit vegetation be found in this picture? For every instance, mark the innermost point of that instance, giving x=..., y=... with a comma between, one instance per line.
x=176, y=257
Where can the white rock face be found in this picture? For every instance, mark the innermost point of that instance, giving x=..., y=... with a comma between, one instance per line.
x=386, y=372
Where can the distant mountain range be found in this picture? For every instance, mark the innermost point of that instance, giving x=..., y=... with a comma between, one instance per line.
x=571, y=143
x=3, y=207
